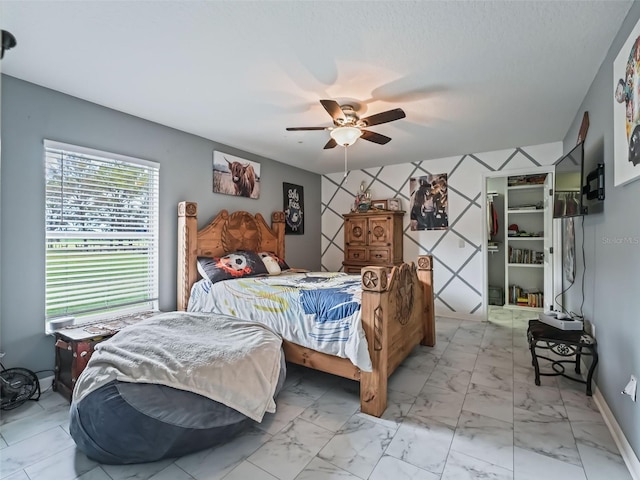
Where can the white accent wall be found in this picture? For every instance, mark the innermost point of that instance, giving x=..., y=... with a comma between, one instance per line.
x=458, y=272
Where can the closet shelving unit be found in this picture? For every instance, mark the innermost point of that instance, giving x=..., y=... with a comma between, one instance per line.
x=526, y=207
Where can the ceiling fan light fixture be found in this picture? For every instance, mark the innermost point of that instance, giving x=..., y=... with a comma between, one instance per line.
x=345, y=136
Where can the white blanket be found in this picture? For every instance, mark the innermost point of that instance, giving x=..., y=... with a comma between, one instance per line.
x=231, y=361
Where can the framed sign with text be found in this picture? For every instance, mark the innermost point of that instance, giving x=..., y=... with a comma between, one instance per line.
x=293, y=196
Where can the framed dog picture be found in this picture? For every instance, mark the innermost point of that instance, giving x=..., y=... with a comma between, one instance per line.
x=293, y=196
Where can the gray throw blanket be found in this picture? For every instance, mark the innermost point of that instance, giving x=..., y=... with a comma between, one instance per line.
x=229, y=360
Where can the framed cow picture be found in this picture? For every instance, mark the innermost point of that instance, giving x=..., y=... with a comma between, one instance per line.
x=293, y=196
x=235, y=176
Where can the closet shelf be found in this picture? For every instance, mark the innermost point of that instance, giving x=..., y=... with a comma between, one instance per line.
x=528, y=210
x=514, y=237
x=526, y=187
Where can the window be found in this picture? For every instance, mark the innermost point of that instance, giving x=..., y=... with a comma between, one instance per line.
x=101, y=233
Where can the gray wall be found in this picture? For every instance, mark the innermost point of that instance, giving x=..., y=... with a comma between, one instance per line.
x=612, y=276
x=30, y=114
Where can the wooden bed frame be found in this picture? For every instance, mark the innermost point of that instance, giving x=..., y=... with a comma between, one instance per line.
x=397, y=309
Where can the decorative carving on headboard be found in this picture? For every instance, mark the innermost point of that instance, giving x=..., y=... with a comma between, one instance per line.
x=241, y=232
x=185, y=265
x=277, y=217
x=187, y=209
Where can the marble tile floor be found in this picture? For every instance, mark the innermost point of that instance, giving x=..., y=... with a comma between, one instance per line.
x=467, y=409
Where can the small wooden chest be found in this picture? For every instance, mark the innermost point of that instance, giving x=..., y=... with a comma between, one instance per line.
x=76, y=344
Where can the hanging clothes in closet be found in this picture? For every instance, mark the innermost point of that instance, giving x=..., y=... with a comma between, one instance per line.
x=492, y=217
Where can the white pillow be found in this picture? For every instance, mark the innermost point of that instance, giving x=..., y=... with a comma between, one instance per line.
x=270, y=263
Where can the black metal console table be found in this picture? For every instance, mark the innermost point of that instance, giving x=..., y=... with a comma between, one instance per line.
x=565, y=343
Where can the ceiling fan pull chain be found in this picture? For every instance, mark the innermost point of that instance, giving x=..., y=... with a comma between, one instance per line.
x=345, y=165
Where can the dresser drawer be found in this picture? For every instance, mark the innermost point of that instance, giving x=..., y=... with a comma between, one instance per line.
x=356, y=254
x=379, y=255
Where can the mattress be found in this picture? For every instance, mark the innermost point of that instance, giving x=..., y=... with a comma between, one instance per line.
x=318, y=310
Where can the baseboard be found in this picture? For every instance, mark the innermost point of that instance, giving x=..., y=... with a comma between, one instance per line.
x=628, y=455
x=46, y=382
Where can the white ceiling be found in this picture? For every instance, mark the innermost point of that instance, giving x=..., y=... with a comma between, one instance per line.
x=471, y=76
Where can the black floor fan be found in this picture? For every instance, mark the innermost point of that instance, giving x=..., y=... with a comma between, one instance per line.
x=17, y=385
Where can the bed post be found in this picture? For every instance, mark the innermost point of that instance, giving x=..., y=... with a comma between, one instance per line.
x=187, y=254
x=425, y=276
x=277, y=225
x=375, y=316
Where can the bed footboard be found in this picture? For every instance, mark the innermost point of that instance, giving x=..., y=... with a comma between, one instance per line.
x=397, y=315
x=397, y=309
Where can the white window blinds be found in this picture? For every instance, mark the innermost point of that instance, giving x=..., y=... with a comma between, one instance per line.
x=101, y=232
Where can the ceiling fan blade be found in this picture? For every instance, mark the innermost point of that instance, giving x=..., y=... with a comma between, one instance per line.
x=384, y=117
x=332, y=107
x=375, y=137
x=332, y=143
x=295, y=129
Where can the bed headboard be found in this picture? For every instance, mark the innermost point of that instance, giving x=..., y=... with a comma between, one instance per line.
x=225, y=233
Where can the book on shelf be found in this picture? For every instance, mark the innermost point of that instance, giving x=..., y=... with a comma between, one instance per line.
x=525, y=255
x=518, y=296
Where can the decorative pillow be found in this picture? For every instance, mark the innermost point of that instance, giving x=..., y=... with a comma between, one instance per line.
x=233, y=265
x=270, y=263
x=281, y=263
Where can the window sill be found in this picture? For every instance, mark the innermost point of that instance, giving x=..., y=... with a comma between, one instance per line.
x=106, y=325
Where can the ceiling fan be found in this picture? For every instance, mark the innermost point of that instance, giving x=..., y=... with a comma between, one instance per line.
x=348, y=126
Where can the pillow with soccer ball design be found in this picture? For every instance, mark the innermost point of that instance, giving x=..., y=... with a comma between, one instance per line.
x=233, y=265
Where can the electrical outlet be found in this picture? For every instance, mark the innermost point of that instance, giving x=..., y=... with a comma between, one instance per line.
x=593, y=330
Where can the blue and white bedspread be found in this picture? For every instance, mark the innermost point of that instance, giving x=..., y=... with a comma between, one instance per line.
x=318, y=310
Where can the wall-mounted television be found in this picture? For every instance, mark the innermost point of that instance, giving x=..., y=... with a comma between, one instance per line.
x=568, y=183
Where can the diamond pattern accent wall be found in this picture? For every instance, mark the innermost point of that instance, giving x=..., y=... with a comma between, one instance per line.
x=458, y=275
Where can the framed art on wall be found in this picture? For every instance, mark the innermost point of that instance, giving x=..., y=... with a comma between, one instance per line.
x=626, y=115
x=429, y=203
x=293, y=196
x=235, y=176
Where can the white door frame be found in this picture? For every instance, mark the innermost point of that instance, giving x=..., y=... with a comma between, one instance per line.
x=485, y=236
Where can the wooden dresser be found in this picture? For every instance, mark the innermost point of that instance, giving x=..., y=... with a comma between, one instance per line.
x=372, y=238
